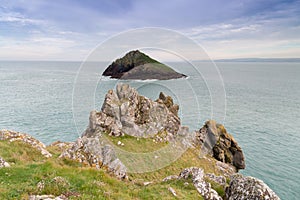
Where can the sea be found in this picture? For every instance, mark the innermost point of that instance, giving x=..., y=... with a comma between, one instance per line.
x=258, y=102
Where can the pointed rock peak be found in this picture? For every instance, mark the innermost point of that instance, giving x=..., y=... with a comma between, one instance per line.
x=139, y=66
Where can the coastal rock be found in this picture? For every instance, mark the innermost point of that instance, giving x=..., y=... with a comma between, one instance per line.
x=203, y=187
x=225, y=169
x=221, y=180
x=241, y=187
x=95, y=153
x=220, y=144
x=124, y=111
x=25, y=138
x=137, y=65
x=3, y=163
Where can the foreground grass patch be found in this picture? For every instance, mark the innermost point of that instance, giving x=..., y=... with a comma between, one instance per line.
x=32, y=174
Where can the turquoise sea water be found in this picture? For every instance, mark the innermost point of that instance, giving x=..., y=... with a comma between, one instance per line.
x=262, y=112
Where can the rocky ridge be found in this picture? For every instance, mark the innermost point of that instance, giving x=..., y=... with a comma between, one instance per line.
x=25, y=138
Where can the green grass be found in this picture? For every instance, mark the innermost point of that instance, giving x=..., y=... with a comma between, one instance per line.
x=133, y=144
x=29, y=168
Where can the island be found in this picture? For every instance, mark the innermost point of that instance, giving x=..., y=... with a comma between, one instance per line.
x=139, y=66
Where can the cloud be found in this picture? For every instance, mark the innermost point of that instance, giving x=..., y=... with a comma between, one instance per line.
x=73, y=25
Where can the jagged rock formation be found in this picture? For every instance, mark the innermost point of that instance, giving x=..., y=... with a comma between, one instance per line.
x=126, y=112
x=137, y=65
x=223, y=145
x=25, y=138
x=95, y=153
x=241, y=187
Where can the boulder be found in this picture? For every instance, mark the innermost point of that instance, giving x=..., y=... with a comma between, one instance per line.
x=246, y=187
x=220, y=144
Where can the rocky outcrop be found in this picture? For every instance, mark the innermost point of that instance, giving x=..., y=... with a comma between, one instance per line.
x=95, y=153
x=124, y=111
x=3, y=163
x=25, y=138
x=137, y=65
x=241, y=187
x=203, y=187
x=223, y=145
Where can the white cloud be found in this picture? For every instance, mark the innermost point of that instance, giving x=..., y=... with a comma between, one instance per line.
x=13, y=17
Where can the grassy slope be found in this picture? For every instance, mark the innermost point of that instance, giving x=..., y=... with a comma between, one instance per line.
x=28, y=168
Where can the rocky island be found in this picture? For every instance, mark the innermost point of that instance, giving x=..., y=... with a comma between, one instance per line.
x=92, y=167
x=139, y=66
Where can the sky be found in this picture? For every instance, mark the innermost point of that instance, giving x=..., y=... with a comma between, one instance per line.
x=71, y=29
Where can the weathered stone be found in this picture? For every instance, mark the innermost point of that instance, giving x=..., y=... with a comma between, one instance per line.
x=173, y=192
x=169, y=178
x=25, y=138
x=93, y=152
x=47, y=197
x=3, y=163
x=215, y=140
x=204, y=188
x=225, y=169
x=221, y=180
x=241, y=187
x=126, y=112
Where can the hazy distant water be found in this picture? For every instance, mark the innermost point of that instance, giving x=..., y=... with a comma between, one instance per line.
x=263, y=110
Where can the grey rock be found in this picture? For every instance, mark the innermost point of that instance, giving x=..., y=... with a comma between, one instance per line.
x=3, y=163
x=215, y=140
x=242, y=187
x=124, y=111
x=47, y=197
x=221, y=180
x=203, y=187
x=92, y=151
x=173, y=192
x=169, y=178
x=25, y=138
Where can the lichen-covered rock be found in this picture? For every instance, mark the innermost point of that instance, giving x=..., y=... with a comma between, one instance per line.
x=3, y=163
x=47, y=197
x=25, y=138
x=169, y=178
x=241, y=187
x=92, y=151
x=225, y=169
x=221, y=180
x=203, y=187
x=220, y=144
x=124, y=111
